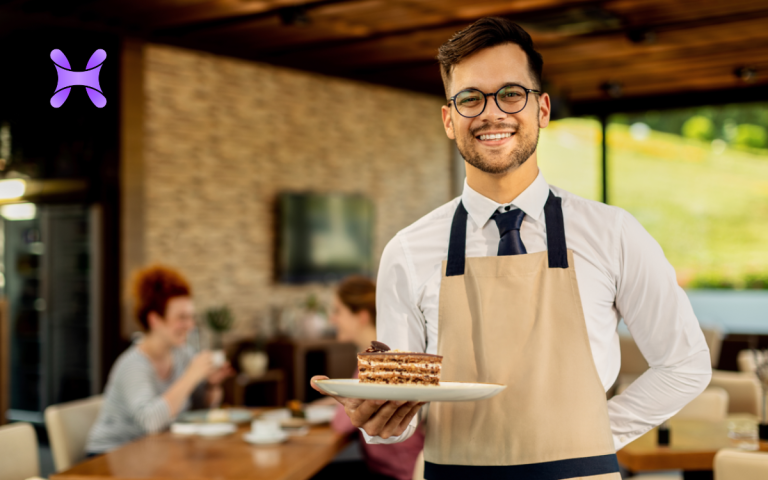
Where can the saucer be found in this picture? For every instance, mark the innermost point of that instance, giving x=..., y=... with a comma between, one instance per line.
x=203, y=429
x=278, y=438
x=216, y=429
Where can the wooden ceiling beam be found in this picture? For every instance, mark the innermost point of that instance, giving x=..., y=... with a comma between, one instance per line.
x=354, y=33
x=219, y=12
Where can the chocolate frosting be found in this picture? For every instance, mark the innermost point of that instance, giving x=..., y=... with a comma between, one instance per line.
x=377, y=347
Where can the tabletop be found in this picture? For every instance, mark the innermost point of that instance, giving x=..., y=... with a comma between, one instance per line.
x=170, y=456
x=693, y=445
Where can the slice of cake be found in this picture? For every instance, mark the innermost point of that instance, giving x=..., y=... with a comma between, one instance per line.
x=379, y=364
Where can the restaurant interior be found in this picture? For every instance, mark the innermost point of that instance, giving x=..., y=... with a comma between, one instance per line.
x=269, y=149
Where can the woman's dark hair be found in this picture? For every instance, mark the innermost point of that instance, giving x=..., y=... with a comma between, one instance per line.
x=486, y=33
x=153, y=287
x=358, y=293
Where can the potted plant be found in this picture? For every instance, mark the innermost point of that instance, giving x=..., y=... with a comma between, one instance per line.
x=219, y=320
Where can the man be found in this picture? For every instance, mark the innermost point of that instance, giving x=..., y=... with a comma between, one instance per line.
x=522, y=283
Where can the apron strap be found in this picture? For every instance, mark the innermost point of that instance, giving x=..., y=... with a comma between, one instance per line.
x=553, y=217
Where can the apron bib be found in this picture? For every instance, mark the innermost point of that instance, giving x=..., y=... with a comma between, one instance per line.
x=517, y=320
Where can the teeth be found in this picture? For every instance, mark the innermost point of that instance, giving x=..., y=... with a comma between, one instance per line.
x=495, y=136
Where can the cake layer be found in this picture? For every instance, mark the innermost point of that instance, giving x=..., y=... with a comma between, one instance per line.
x=367, y=371
x=392, y=378
x=400, y=367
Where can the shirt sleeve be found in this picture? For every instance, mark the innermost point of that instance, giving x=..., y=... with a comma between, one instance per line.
x=149, y=410
x=661, y=320
x=399, y=322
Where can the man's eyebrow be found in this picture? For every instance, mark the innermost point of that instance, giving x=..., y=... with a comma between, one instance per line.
x=504, y=84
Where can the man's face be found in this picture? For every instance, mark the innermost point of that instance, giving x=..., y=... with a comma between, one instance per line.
x=488, y=70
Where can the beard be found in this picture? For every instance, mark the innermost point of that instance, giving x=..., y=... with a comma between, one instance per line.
x=501, y=164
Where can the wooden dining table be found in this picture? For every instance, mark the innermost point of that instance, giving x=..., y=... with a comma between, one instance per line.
x=692, y=447
x=172, y=456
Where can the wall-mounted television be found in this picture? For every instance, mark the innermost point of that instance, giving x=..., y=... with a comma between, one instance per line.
x=323, y=237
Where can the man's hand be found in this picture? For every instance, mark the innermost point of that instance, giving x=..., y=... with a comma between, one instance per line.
x=380, y=418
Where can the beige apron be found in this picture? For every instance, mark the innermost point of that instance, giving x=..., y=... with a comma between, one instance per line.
x=517, y=320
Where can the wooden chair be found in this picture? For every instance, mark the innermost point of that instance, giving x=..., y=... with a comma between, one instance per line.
x=68, y=425
x=740, y=465
x=712, y=405
x=744, y=392
x=19, y=458
x=714, y=339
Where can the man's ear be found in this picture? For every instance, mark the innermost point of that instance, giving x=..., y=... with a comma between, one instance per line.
x=447, y=122
x=545, y=108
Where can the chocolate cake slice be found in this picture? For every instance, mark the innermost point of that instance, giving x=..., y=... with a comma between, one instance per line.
x=379, y=364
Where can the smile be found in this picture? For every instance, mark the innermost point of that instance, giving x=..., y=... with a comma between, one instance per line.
x=495, y=138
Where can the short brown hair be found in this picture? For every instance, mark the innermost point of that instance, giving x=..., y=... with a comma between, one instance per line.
x=358, y=293
x=486, y=33
x=153, y=287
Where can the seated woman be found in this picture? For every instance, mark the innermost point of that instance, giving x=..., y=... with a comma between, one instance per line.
x=159, y=376
x=354, y=315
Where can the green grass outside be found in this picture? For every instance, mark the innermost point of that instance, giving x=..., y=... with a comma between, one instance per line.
x=708, y=211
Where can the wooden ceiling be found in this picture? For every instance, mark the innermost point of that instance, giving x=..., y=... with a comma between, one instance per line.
x=592, y=49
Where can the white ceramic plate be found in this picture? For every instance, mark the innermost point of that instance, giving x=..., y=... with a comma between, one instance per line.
x=236, y=415
x=204, y=429
x=445, y=392
x=251, y=438
x=319, y=414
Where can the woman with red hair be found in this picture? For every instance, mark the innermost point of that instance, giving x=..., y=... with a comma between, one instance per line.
x=159, y=376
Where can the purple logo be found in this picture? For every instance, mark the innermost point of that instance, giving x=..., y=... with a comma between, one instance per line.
x=88, y=78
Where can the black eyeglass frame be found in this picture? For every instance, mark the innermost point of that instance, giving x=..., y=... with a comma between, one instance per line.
x=495, y=99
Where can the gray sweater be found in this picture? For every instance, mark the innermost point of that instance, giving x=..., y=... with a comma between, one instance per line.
x=133, y=400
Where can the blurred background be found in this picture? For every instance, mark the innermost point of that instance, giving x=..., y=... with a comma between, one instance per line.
x=269, y=148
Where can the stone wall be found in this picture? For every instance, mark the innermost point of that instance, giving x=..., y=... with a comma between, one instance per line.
x=222, y=137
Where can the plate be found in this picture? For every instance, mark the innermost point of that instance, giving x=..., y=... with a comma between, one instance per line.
x=203, y=429
x=319, y=414
x=445, y=392
x=236, y=415
x=250, y=438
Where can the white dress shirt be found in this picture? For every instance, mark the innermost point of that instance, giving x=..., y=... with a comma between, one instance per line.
x=621, y=271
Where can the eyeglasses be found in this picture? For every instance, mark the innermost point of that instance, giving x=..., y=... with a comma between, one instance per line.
x=510, y=99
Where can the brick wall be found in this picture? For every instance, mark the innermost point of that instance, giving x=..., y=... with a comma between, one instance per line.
x=222, y=137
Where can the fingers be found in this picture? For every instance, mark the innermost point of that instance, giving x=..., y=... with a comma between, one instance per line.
x=377, y=420
x=401, y=416
x=316, y=378
x=323, y=377
x=407, y=419
x=391, y=419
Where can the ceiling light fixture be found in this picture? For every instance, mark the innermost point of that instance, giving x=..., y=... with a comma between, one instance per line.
x=294, y=16
x=746, y=74
x=12, y=188
x=642, y=36
x=612, y=88
x=18, y=211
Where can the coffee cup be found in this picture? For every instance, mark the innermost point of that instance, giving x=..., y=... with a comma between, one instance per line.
x=265, y=428
x=218, y=358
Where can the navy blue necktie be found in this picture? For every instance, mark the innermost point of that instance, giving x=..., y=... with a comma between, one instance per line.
x=509, y=231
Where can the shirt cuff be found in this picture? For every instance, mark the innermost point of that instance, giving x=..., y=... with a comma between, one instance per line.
x=386, y=441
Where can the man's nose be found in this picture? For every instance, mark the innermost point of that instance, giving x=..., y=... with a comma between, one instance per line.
x=492, y=111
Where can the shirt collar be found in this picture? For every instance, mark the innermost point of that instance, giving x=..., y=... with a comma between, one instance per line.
x=531, y=201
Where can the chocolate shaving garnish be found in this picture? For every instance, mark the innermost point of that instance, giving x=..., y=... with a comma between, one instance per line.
x=377, y=347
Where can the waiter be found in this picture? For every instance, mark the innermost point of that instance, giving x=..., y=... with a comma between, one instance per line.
x=522, y=283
